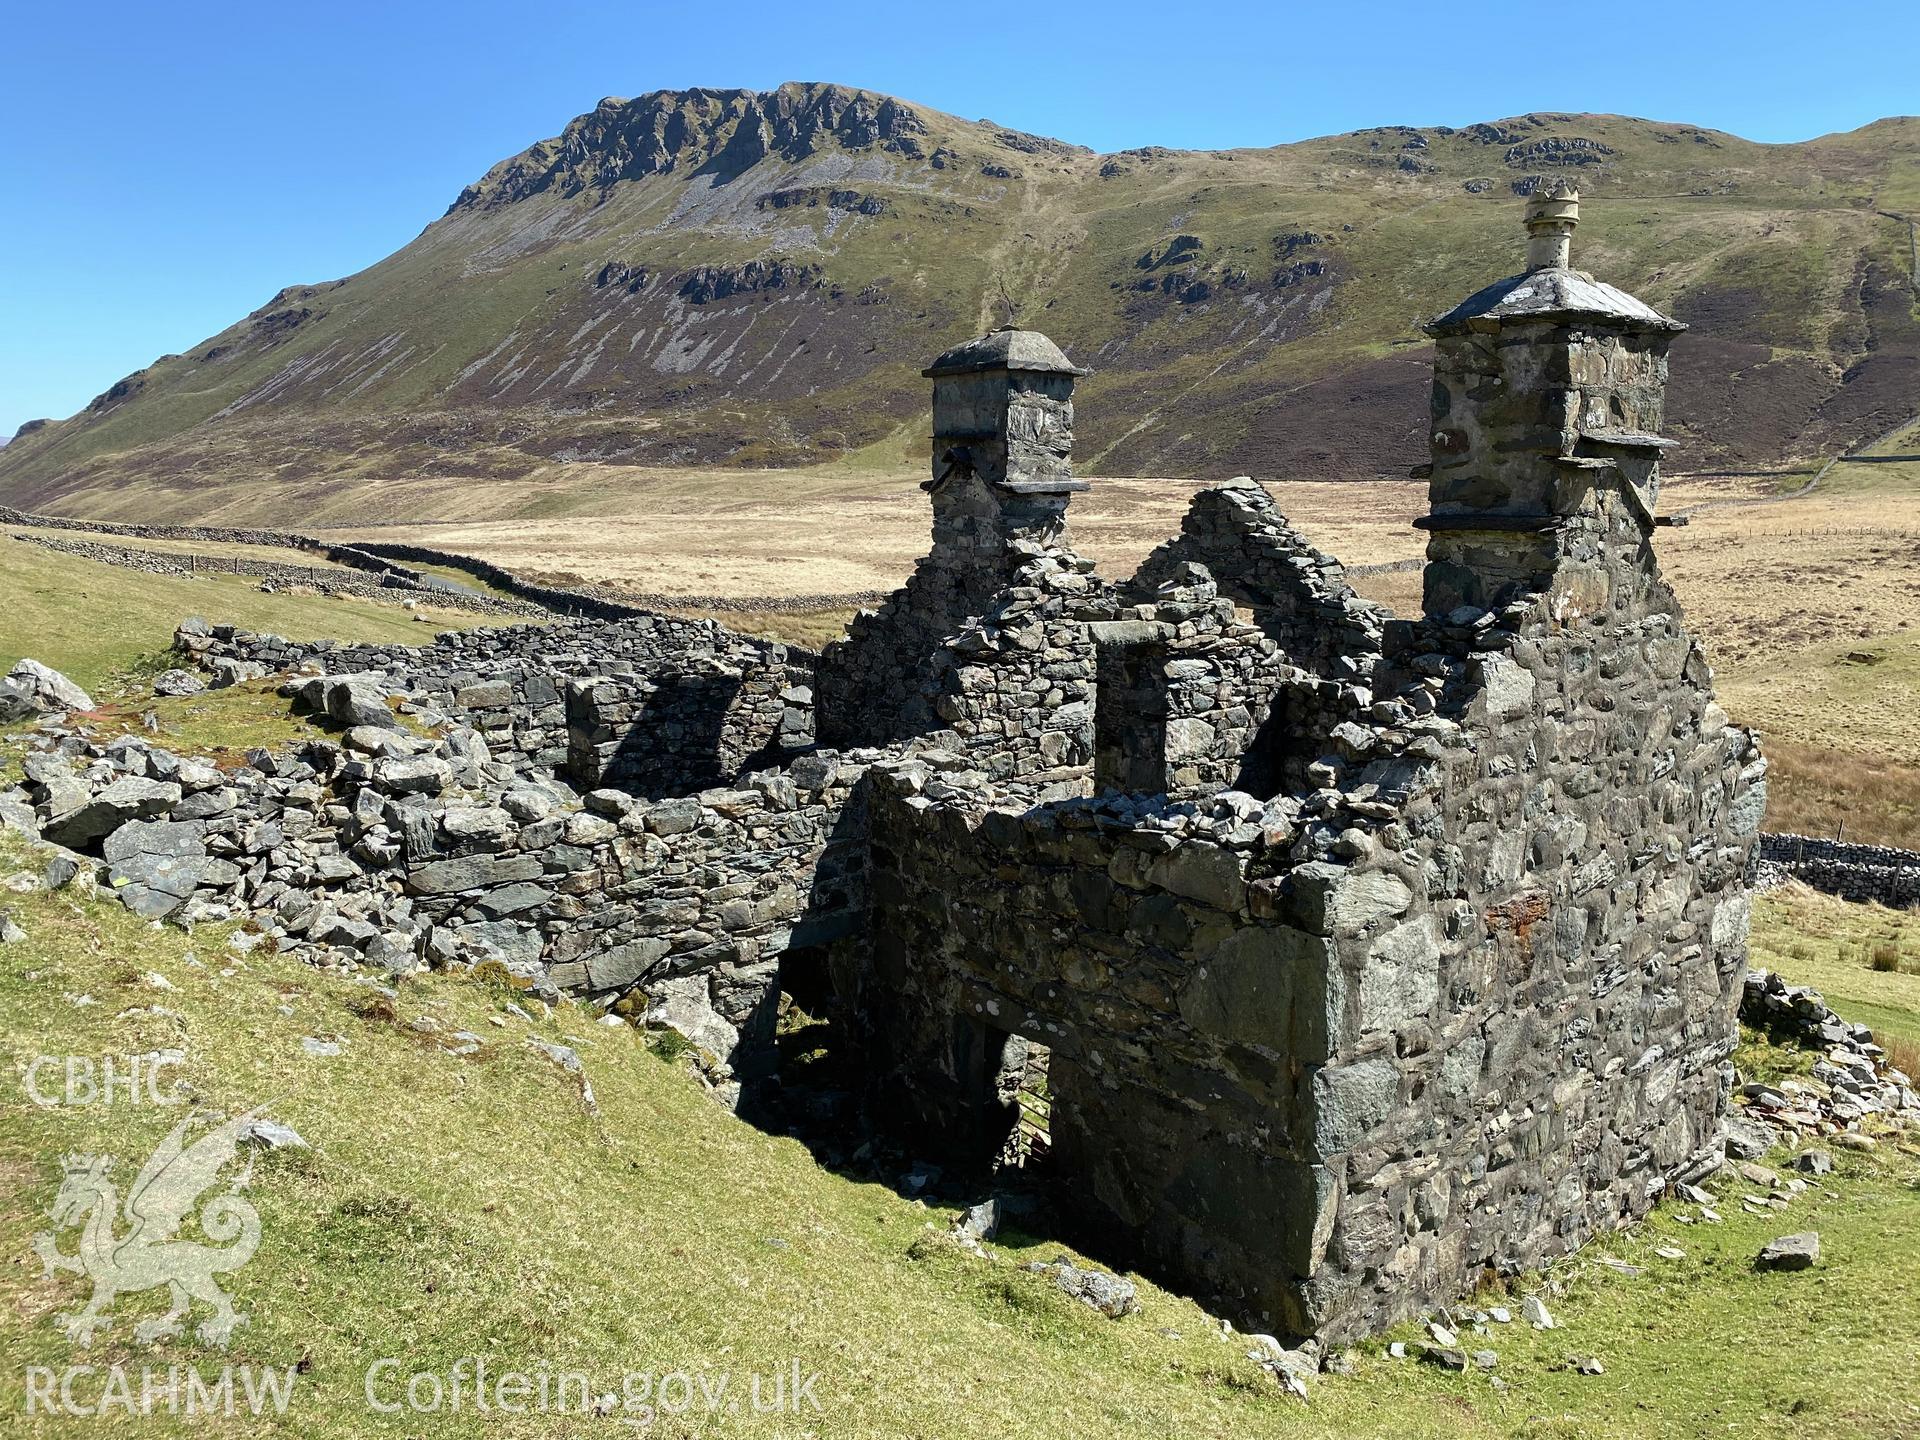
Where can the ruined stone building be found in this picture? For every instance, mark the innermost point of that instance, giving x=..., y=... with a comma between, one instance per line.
x=1366, y=953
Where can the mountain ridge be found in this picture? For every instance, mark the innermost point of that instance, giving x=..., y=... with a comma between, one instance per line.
x=751, y=278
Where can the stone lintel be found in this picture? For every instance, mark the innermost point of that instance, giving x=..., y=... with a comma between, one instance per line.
x=1131, y=632
x=1627, y=440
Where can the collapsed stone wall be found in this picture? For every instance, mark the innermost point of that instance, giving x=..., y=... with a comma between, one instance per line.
x=689, y=901
x=1881, y=874
x=395, y=850
x=1298, y=595
x=509, y=684
x=685, y=726
x=1196, y=695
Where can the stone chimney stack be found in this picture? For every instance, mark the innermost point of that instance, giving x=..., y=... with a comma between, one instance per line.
x=1002, y=447
x=1548, y=393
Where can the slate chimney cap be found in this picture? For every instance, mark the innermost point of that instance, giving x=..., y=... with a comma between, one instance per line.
x=1551, y=294
x=1004, y=349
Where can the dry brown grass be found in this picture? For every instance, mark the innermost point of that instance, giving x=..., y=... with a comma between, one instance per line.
x=1817, y=790
x=1903, y=1055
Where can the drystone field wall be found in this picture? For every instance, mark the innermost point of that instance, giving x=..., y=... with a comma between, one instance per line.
x=689, y=901
x=587, y=600
x=1879, y=873
x=328, y=579
x=531, y=597
x=511, y=685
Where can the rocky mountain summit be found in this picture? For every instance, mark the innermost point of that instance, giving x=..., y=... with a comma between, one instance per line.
x=741, y=278
x=721, y=132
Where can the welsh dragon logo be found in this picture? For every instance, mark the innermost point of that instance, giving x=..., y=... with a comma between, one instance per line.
x=148, y=1254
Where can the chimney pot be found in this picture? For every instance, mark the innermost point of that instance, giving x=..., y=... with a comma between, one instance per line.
x=1551, y=215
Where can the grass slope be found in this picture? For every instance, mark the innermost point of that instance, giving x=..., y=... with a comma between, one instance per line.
x=459, y=1205
x=95, y=621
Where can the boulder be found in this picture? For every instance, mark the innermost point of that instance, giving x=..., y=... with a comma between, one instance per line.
x=16, y=703
x=48, y=688
x=17, y=814
x=682, y=1004
x=228, y=672
x=155, y=865
x=1748, y=1139
x=1109, y=1294
x=132, y=798
x=1790, y=1252
x=359, y=700
x=178, y=682
x=271, y=1135
x=514, y=945
x=415, y=775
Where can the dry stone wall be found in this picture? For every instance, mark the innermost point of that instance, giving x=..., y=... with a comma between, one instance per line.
x=327, y=579
x=511, y=685
x=1878, y=873
x=686, y=725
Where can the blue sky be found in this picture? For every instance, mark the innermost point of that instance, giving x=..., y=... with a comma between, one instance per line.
x=172, y=164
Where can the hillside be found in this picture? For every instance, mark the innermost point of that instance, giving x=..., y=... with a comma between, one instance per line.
x=753, y=279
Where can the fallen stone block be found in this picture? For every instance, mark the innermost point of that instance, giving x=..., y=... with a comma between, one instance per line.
x=1790, y=1252
x=48, y=688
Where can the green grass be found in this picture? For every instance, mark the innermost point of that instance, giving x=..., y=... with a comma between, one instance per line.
x=1816, y=940
x=813, y=629
x=1891, y=465
x=454, y=1206
x=94, y=621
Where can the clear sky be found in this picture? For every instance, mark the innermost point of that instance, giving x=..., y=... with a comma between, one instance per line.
x=172, y=163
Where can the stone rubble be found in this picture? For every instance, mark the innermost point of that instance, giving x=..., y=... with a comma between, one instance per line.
x=1851, y=1086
